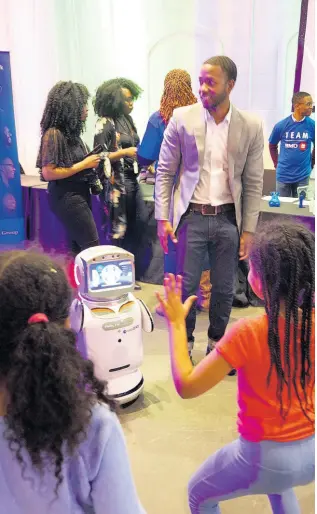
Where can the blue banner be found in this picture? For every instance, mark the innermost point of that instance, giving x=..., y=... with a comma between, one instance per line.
x=11, y=206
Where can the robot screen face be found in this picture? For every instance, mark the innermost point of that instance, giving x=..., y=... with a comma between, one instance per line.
x=109, y=275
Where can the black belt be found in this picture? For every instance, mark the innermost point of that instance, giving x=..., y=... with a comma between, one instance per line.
x=210, y=210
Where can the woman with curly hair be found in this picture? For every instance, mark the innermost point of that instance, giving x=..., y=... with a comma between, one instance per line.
x=62, y=449
x=63, y=162
x=114, y=206
x=113, y=105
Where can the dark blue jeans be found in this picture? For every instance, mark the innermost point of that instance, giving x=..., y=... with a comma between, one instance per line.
x=290, y=190
x=219, y=236
x=170, y=259
x=137, y=221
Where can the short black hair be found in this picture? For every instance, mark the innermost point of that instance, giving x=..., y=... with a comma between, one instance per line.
x=109, y=99
x=297, y=97
x=226, y=64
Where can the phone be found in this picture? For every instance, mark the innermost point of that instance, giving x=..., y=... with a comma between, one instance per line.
x=98, y=149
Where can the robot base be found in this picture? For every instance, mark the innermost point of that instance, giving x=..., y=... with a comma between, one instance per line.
x=125, y=389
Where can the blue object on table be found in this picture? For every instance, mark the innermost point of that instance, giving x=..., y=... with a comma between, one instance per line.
x=275, y=201
x=302, y=196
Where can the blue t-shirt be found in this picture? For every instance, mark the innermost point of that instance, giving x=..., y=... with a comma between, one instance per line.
x=97, y=479
x=149, y=149
x=296, y=138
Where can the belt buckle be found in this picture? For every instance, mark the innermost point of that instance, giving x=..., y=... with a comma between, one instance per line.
x=205, y=212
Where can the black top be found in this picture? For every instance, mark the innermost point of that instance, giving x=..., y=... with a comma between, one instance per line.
x=128, y=137
x=105, y=135
x=56, y=149
x=112, y=178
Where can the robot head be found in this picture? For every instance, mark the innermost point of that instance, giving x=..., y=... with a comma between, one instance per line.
x=104, y=272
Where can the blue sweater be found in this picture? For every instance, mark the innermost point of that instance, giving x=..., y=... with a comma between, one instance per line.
x=97, y=480
x=149, y=149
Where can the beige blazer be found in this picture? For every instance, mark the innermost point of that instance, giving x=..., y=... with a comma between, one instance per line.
x=182, y=157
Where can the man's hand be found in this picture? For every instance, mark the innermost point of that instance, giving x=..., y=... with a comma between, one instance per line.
x=245, y=243
x=164, y=231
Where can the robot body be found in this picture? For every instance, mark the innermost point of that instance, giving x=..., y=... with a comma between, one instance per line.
x=109, y=327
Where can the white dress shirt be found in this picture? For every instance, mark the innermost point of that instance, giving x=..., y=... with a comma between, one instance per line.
x=213, y=187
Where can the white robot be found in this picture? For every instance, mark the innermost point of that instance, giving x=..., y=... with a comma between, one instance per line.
x=108, y=319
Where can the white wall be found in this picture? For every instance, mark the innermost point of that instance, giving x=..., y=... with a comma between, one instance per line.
x=261, y=37
x=94, y=40
x=30, y=37
x=308, y=72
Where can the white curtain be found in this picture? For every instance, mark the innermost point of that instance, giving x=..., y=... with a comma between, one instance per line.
x=308, y=83
x=93, y=40
x=30, y=37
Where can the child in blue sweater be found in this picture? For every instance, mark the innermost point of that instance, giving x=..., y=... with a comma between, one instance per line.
x=62, y=450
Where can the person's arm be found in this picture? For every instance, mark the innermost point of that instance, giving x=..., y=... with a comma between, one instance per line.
x=168, y=165
x=54, y=158
x=116, y=165
x=191, y=381
x=117, y=155
x=51, y=172
x=274, y=140
x=121, y=153
x=112, y=486
x=252, y=183
x=274, y=154
x=106, y=137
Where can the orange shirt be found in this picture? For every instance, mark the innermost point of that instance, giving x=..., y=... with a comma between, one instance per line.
x=245, y=348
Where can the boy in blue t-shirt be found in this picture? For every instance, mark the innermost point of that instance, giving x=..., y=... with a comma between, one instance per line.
x=296, y=135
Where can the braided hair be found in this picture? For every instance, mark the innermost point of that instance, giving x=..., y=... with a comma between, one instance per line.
x=63, y=109
x=109, y=100
x=283, y=258
x=51, y=389
x=177, y=93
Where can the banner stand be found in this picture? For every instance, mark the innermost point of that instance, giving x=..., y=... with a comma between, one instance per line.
x=11, y=206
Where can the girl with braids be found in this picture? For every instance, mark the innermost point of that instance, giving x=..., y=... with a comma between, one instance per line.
x=113, y=105
x=274, y=356
x=61, y=446
x=177, y=93
x=63, y=164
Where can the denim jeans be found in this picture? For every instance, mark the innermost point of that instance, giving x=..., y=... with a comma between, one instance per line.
x=243, y=468
x=218, y=237
x=290, y=190
x=170, y=259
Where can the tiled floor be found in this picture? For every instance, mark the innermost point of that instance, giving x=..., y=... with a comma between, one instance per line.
x=168, y=438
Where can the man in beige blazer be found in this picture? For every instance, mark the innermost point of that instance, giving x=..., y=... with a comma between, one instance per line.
x=208, y=190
